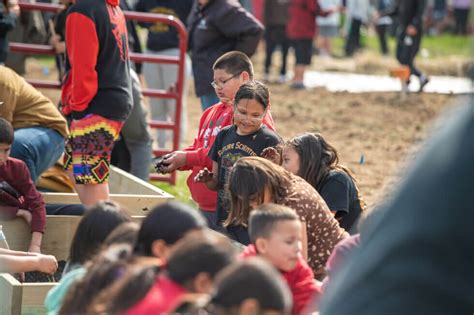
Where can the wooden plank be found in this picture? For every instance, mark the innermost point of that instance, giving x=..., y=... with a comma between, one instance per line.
x=121, y=182
x=33, y=297
x=57, y=238
x=134, y=204
x=10, y=295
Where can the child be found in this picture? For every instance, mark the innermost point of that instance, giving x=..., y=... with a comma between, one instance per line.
x=275, y=232
x=95, y=226
x=96, y=92
x=231, y=70
x=164, y=226
x=246, y=137
x=190, y=268
x=312, y=158
x=18, y=194
x=254, y=181
x=251, y=286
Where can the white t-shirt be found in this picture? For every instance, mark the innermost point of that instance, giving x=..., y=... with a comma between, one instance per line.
x=332, y=19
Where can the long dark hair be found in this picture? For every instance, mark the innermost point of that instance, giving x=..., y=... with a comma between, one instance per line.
x=317, y=158
x=95, y=226
x=247, y=180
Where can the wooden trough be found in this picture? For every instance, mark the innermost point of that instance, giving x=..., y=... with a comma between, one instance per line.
x=16, y=298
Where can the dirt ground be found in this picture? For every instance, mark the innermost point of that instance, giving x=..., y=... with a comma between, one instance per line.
x=373, y=132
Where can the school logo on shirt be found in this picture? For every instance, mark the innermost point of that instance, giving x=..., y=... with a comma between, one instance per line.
x=119, y=29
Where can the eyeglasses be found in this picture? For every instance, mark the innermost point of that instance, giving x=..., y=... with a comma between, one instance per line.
x=221, y=84
x=252, y=118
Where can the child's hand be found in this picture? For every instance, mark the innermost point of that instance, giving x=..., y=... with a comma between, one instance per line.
x=204, y=176
x=271, y=154
x=47, y=264
x=174, y=160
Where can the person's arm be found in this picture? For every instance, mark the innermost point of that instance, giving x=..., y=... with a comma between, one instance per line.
x=235, y=22
x=417, y=21
x=304, y=288
x=26, y=263
x=83, y=59
x=33, y=202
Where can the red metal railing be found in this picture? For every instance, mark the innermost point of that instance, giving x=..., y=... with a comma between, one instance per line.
x=179, y=61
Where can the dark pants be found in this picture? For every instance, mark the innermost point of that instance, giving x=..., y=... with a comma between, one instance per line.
x=353, y=38
x=407, y=50
x=382, y=35
x=64, y=209
x=275, y=35
x=461, y=17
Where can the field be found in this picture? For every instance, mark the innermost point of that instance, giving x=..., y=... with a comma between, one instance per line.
x=374, y=132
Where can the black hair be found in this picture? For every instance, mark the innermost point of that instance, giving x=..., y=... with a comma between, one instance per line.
x=252, y=279
x=168, y=222
x=253, y=90
x=263, y=219
x=6, y=132
x=207, y=252
x=234, y=62
x=94, y=227
x=125, y=233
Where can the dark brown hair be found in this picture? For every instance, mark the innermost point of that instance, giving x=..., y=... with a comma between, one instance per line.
x=263, y=220
x=6, y=131
x=234, y=62
x=317, y=158
x=247, y=180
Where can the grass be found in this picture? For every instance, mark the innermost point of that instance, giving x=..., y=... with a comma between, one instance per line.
x=180, y=191
x=437, y=46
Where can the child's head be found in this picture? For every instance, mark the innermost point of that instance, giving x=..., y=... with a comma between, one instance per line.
x=164, y=226
x=125, y=233
x=254, y=181
x=6, y=139
x=197, y=258
x=251, y=286
x=95, y=226
x=250, y=106
x=310, y=156
x=231, y=70
x=275, y=230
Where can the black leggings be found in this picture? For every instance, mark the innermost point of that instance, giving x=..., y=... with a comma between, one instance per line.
x=64, y=209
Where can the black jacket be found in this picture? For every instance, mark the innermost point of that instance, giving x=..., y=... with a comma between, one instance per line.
x=7, y=23
x=410, y=12
x=219, y=27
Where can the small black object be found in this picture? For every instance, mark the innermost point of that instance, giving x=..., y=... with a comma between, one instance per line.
x=159, y=164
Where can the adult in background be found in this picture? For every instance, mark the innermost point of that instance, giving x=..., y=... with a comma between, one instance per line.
x=9, y=11
x=216, y=27
x=96, y=92
x=461, y=15
x=163, y=40
x=410, y=32
x=40, y=129
x=275, y=17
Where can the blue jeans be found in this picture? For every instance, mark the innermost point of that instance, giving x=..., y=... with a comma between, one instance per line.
x=208, y=100
x=38, y=147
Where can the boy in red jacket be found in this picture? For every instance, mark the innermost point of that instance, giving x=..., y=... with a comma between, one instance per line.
x=231, y=70
x=275, y=232
x=18, y=194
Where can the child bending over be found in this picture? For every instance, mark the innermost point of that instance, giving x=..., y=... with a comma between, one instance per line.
x=18, y=194
x=275, y=232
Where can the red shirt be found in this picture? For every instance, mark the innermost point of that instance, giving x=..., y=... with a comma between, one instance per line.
x=162, y=298
x=300, y=280
x=15, y=173
x=302, y=18
x=212, y=121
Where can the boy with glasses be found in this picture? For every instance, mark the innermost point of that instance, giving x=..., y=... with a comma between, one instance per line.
x=231, y=70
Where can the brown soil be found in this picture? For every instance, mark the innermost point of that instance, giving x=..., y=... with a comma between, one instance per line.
x=377, y=129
